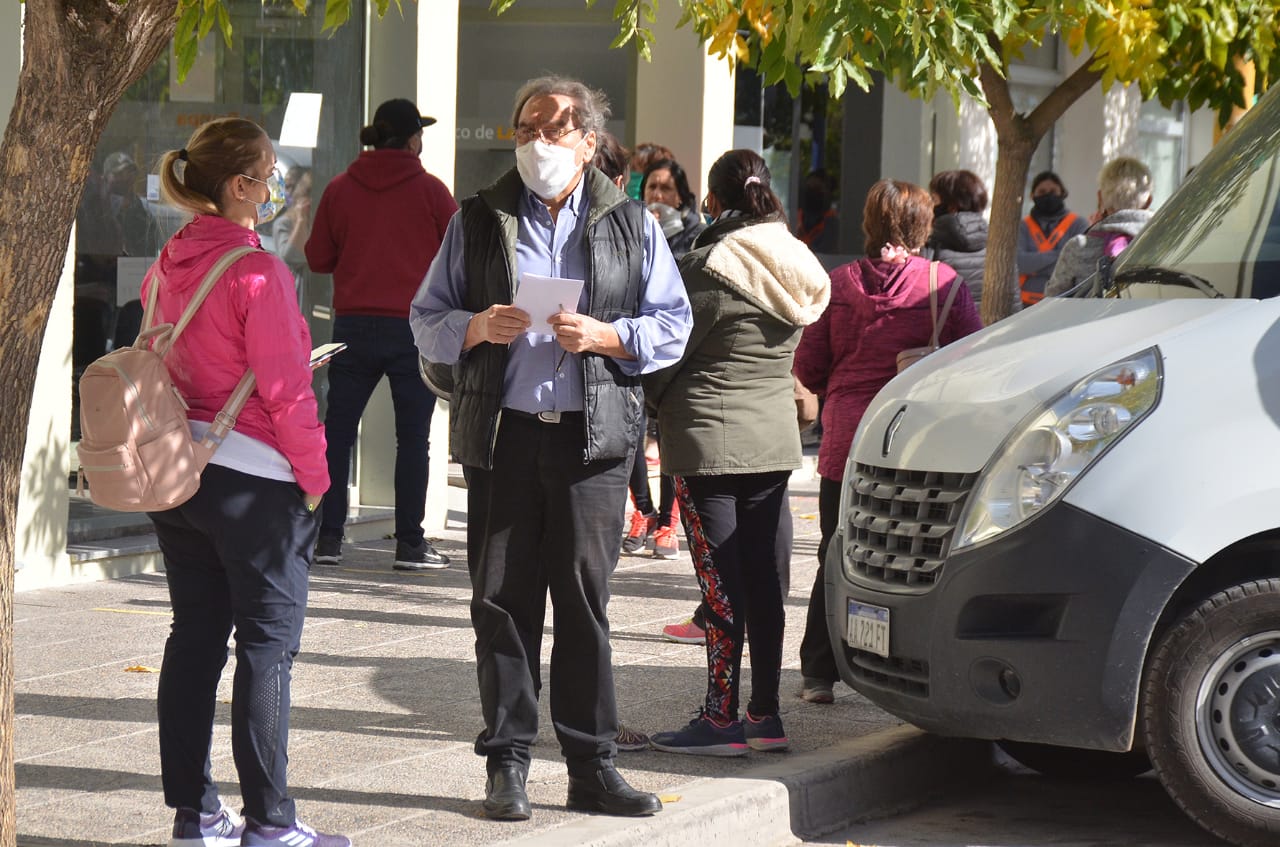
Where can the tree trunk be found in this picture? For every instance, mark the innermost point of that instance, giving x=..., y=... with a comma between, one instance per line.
x=1017, y=137
x=79, y=57
x=1000, y=275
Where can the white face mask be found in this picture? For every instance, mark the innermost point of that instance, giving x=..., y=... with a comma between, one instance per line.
x=547, y=169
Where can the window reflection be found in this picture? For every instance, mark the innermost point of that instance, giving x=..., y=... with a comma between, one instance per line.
x=121, y=224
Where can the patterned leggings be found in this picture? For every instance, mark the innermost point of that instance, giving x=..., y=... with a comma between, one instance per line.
x=739, y=529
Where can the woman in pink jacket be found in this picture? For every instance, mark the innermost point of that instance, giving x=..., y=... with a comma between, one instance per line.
x=879, y=307
x=237, y=554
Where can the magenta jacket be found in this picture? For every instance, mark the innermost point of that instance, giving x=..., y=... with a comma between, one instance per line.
x=877, y=310
x=249, y=320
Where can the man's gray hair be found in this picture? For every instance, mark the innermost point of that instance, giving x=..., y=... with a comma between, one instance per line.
x=1124, y=183
x=591, y=107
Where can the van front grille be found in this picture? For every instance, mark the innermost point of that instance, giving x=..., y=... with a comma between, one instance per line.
x=901, y=675
x=900, y=526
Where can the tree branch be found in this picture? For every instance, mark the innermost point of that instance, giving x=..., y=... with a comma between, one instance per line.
x=999, y=103
x=1045, y=115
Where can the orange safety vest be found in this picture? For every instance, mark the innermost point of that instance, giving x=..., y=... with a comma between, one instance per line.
x=1044, y=244
x=810, y=236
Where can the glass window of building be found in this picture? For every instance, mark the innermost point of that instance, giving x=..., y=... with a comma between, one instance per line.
x=121, y=223
x=1161, y=147
x=496, y=55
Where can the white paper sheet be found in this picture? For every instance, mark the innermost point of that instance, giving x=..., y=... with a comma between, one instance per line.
x=543, y=296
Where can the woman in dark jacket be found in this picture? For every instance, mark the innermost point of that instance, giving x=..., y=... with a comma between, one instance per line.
x=730, y=438
x=666, y=193
x=959, y=236
x=879, y=307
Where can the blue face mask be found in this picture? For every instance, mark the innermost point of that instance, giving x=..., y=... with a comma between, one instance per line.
x=275, y=200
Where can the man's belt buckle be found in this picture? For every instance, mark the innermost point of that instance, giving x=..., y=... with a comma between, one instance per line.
x=549, y=417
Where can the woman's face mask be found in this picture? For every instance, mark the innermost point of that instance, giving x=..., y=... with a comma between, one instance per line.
x=275, y=201
x=1048, y=204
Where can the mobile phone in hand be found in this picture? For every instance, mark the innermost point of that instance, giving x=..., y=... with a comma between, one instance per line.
x=322, y=354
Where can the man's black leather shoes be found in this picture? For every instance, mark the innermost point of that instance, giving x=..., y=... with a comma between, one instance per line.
x=504, y=795
x=604, y=790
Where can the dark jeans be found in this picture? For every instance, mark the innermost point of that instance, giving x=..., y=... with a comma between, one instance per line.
x=639, y=485
x=237, y=554
x=542, y=519
x=740, y=534
x=377, y=346
x=817, y=659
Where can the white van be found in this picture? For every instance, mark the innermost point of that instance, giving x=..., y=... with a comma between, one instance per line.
x=1063, y=532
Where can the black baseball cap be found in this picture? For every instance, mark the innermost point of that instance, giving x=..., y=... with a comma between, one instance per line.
x=402, y=116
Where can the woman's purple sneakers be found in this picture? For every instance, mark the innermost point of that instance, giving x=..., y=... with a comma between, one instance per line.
x=298, y=835
x=222, y=828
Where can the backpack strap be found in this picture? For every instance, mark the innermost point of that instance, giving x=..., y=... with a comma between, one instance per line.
x=938, y=324
x=225, y=261
x=225, y=420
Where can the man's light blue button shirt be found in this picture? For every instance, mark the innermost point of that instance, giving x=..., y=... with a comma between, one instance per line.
x=541, y=375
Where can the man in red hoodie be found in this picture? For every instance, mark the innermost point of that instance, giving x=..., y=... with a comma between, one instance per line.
x=378, y=226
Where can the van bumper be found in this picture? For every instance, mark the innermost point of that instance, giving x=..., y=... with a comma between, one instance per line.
x=1037, y=636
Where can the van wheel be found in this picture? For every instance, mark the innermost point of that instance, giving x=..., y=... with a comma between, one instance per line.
x=1211, y=714
x=1076, y=763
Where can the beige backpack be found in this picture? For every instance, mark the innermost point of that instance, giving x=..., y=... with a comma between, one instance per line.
x=910, y=356
x=136, y=450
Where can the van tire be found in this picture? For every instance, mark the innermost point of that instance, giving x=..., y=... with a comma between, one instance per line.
x=1077, y=763
x=1224, y=654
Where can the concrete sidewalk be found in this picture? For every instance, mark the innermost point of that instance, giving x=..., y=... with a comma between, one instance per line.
x=385, y=711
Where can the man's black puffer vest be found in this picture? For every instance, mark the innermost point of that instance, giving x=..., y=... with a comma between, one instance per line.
x=615, y=234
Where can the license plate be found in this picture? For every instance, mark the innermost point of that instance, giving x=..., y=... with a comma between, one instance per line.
x=868, y=628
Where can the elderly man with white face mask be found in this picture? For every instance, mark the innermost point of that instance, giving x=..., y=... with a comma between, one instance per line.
x=545, y=425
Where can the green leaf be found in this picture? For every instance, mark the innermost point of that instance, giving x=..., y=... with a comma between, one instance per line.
x=185, y=53
x=224, y=23
x=336, y=13
x=207, y=20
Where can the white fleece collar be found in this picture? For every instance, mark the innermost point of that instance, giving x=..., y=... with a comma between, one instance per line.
x=773, y=269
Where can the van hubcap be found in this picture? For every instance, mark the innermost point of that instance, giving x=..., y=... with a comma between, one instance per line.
x=1238, y=717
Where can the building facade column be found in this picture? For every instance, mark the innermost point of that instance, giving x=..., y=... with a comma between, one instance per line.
x=415, y=56
x=684, y=99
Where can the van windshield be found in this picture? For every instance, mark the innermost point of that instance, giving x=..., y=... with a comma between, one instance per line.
x=1219, y=235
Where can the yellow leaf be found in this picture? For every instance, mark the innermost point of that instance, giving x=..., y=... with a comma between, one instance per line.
x=141, y=669
x=669, y=798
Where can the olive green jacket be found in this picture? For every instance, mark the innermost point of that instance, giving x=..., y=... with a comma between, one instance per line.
x=728, y=407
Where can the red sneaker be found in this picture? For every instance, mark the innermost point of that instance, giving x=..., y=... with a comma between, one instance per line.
x=685, y=632
x=642, y=527
x=666, y=544
x=666, y=541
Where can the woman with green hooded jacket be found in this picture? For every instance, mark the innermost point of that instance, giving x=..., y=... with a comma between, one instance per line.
x=728, y=419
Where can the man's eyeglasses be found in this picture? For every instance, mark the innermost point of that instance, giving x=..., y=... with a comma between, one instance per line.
x=548, y=134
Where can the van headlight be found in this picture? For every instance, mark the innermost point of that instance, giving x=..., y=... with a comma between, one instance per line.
x=1054, y=445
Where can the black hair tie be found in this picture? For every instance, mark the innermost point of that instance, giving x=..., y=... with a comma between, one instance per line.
x=182, y=154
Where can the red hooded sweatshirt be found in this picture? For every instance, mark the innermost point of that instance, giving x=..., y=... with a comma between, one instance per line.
x=377, y=229
x=249, y=320
x=877, y=310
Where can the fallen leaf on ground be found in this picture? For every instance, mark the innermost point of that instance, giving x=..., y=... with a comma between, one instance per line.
x=670, y=798
x=141, y=669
